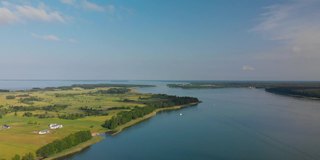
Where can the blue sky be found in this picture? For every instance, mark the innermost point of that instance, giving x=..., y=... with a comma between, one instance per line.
x=160, y=39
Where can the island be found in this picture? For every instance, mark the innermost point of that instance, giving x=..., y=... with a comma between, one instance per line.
x=48, y=123
x=300, y=89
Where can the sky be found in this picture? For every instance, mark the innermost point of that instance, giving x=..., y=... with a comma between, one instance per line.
x=160, y=39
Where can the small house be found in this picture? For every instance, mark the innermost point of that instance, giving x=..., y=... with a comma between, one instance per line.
x=44, y=132
x=55, y=126
x=6, y=126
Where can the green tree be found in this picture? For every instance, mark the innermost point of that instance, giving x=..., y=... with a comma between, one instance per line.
x=16, y=157
x=28, y=156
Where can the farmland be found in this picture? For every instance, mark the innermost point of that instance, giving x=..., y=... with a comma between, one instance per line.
x=77, y=108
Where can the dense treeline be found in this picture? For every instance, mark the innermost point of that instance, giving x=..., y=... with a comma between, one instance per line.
x=89, y=111
x=118, y=108
x=243, y=84
x=158, y=101
x=114, y=91
x=28, y=156
x=4, y=90
x=30, y=100
x=27, y=114
x=92, y=86
x=88, y=86
x=127, y=116
x=10, y=97
x=71, y=116
x=300, y=92
x=55, y=107
x=23, y=108
x=63, y=144
x=45, y=115
x=163, y=100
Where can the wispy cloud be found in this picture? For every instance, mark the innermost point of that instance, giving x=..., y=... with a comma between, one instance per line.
x=11, y=13
x=294, y=28
x=49, y=37
x=53, y=38
x=7, y=16
x=38, y=14
x=90, y=6
x=296, y=25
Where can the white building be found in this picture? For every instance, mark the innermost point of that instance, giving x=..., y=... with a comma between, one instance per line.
x=44, y=132
x=55, y=126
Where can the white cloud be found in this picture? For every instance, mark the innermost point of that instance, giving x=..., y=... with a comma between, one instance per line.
x=38, y=14
x=296, y=25
x=295, y=29
x=92, y=6
x=7, y=16
x=87, y=5
x=46, y=37
x=11, y=13
x=247, y=68
x=53, y=38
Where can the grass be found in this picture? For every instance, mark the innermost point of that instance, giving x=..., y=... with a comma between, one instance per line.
x=23, y=135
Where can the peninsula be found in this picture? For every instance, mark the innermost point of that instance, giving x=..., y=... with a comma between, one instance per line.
x=57, y=121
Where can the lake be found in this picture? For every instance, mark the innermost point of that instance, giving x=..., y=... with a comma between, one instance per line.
x=229, y=124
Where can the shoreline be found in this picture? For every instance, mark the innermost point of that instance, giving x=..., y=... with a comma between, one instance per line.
x=98, y=138
x=76, y=149
x=148, y=116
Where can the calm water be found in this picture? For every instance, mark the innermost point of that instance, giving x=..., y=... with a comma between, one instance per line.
x=230, y=124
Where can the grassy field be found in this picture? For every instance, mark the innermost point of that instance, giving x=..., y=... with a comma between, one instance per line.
x=23, y=135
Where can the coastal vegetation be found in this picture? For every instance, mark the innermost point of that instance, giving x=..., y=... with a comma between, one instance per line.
x=295, y=89
x=242, y=84
x=309, y=92
x=58, y=146
x=94, y=108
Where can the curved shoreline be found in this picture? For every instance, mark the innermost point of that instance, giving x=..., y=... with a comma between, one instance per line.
x=148, y=116
x=118, y=130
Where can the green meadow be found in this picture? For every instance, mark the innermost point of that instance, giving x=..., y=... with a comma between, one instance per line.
x=28, y=112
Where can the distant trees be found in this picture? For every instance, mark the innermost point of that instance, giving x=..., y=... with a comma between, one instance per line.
x=298, y=91
x=126, y=116
x=30, y=100
x=55, y=107
x=157, y=101
x=114, y=91
x=28, y=156
x=10, y=97
x=24, y=108
x=163, y=100
x=63, y=144
x=16, y=157
x=27, y=114
x=89, y=111
x=71, y=116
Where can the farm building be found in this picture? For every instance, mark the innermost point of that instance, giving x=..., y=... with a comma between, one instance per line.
x=44, y=132
x=55, y=126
